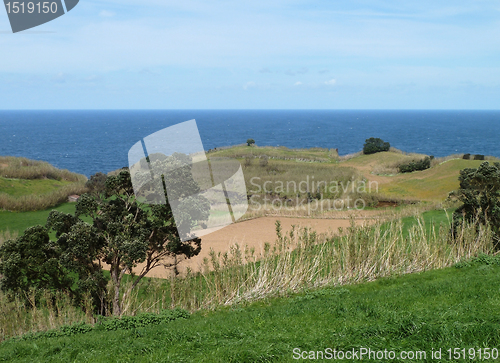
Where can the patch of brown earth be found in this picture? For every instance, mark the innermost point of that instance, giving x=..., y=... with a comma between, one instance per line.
x=253, y=234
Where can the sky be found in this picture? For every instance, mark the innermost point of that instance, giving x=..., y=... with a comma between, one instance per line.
x=272, y=54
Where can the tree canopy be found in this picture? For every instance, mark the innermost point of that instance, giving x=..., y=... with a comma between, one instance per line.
x=124, y=232
x=480, y=192
x=374, y=145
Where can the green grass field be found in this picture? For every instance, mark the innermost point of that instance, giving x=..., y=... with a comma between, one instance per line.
x=19, y=221
x=20, y=187
x=440, y=309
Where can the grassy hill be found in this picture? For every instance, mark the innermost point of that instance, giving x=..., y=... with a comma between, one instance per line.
x=435, y=310
x=30, y=185
x=285, y=164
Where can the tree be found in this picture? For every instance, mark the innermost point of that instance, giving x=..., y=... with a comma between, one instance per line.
x=250, y=142
x=97, y=183
x=124, y=232
x=374, y=145
x=480, y=192
x=34, y=261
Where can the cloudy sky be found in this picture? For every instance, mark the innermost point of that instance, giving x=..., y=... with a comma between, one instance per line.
x=259, y=54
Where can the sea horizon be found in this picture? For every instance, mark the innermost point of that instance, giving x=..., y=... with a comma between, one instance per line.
x=89, y=141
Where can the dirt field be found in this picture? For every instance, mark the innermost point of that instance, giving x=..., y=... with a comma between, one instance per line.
x=253, y=233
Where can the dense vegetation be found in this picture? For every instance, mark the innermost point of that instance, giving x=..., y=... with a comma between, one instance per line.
x=124, y=232
x=480, y=196
x=423, y=164
x=30, y=185
x=374, y=145
x=429, y=311
x=421, y=311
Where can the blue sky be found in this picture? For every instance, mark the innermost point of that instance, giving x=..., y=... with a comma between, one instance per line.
x=273, y=54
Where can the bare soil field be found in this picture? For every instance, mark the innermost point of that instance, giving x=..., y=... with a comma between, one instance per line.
x=253, y=233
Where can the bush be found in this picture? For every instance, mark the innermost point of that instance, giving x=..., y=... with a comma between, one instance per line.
x=479, y=157
x=423, y=164
x=375, y=145
x=250, y=142
x=263, y=160
x=480, y=194
x=466, y=157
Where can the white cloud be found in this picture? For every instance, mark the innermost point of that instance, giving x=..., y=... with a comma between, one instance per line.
x=297, y=83
x=331, y=82
x=249, y=85
x=106, y=14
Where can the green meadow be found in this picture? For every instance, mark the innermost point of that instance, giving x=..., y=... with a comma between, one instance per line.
x=400, y=284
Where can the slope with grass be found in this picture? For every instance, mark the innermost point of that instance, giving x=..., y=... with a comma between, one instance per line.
x=30, y=185
x=442, y=309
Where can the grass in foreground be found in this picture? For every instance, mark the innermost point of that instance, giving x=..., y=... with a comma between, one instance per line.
x=298, y=261
x=449, y=308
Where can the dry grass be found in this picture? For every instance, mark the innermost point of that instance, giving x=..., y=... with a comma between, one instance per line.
x=443, y=159
x=304, y=260
x=35, y=202
x=297, y=261
x=350, y=156
x=22, y=168
x=5, y=236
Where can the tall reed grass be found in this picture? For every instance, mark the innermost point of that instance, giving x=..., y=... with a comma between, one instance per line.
x=33, y=202
x=23, y=168
x=298, y=261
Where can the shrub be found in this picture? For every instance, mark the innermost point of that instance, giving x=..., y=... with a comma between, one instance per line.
x=250, y=142
x=480, y=194
x=423, y=164
x=374, y=145
x=264, y=160
x=478, y=157
x=466, y=157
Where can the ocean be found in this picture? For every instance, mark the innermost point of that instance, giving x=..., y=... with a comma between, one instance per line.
x=87, y=142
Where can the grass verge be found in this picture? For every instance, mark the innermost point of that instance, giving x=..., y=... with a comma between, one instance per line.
x=443, y=309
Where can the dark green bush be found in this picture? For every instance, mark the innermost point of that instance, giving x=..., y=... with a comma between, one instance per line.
x=423, y=164
x=374, y=145
x=111, y=324
x=466, y=157
x=479, y=157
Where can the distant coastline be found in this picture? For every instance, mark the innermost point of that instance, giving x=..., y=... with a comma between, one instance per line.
x=90, y=141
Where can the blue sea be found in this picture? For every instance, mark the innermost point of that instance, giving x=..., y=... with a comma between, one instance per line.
x=87, y=142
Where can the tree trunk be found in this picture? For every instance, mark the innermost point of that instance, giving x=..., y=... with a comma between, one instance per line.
x=115, y=278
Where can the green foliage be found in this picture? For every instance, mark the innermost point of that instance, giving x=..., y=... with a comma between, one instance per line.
x=466, y=157
x=478, y=157
x=97, y=183
x=250, y=142
x=141, y=320
x=431, y=310
x=479, y=192
x=374, y=145
x=34, y=262
x=423, y=164
x=122, y=233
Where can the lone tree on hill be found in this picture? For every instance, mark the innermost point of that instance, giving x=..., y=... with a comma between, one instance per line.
x=124, y=232
x=250, y=142
x=480, y=192
x=374, y=145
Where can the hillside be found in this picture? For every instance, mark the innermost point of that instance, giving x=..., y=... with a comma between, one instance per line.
x=426, y=312
x=432, y=184
x=30, y=185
